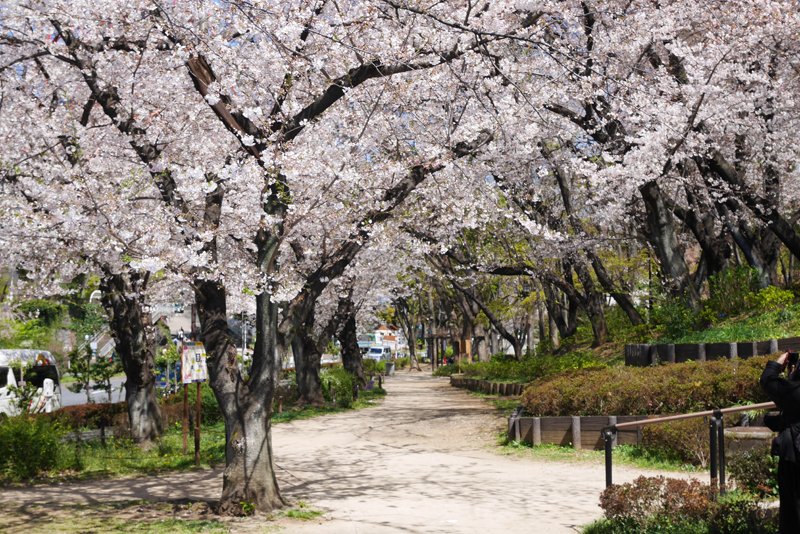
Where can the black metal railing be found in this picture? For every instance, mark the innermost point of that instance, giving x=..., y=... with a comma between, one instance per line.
x=716, y=437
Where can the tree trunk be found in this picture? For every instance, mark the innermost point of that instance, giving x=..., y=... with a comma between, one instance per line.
x=481, y=347
x=622, y=298
x=540, y=315
x=555, y=341
x=662, y=236
x=249, y=476
x=307, y=367
x=351, y=354
x=760, y=206
x=531, y=332
x=593, y=302
x=123, y=300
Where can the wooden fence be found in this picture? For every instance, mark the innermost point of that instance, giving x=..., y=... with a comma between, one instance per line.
x=485, y=386
x=642, y=355
x=580, y=432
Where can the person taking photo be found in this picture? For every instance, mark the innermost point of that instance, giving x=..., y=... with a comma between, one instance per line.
x=785, y=393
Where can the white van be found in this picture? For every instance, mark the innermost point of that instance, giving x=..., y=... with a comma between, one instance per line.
x=37, y=367
x=379, y=354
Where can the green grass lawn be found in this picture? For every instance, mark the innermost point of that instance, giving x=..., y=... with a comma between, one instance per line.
x=623, y=455
x=752, y=327
x=119, y=457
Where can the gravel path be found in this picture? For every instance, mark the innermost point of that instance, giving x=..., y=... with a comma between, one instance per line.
x=422, y=461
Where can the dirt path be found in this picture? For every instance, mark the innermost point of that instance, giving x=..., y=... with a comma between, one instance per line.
x=422, y=461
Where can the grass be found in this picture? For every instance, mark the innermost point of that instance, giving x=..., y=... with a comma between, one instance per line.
x=121, y=457
x=365, y=399
x=132, y=517
x=751, y=327
x=301, y=511
x=623, y=455
x=505, y=405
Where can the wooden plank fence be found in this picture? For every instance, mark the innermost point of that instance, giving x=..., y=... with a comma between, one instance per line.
x=506, y=389
x=580, y=432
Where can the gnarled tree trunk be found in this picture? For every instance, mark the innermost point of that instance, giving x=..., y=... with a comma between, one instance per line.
x=246, y=406
x=123, y=298
x=307, y=368
x=351, y=355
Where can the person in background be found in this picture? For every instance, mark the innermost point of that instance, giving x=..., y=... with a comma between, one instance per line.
x=785, y=393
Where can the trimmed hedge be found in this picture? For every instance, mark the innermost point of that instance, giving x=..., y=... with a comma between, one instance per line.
x=667, y=389
x=90, y=415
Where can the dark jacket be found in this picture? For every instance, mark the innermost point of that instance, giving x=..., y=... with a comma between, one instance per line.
x=786, y=396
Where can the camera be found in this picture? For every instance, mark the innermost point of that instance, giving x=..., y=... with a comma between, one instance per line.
x=793, y=357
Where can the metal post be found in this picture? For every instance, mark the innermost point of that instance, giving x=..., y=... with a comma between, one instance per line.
x=712, y=426
x=721, y=444
x=609, y=434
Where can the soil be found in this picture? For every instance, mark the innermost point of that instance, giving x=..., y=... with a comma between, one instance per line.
x=423, y=460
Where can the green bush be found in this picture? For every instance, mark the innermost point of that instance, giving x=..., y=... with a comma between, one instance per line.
x=46, y=311
x=674, y=317
x=681, y=441
x=755, y=472
x=209, y=408
x=772, y=299
x=29, y=446
x=740, y=513
x=446, y=370
x=659, y=505
x=506, y=368
x=370, y=367
x=731, y=291
x=672, y=388
x=656, y=525
x=402, y=362
x=337, y=386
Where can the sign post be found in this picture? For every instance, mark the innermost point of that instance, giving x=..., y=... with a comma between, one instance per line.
x=193, y=369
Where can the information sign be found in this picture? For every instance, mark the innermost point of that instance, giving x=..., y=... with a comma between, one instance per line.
x=193, y=363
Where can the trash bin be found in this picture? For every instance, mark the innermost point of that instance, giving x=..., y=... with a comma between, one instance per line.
x=389, y=368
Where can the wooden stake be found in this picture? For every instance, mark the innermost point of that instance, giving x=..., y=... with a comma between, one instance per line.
x=185, y=417
x=197, y=406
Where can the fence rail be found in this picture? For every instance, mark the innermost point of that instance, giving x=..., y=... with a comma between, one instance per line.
x=716, y=437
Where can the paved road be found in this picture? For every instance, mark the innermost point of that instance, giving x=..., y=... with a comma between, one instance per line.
x=422, y=461
x=69, y=398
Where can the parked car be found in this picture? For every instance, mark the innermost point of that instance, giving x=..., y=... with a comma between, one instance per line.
x=37, y=367
x=379, y=354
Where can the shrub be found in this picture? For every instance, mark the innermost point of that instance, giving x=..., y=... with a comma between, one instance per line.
x=672, y=388
x=209, y=408
x=661, y=505
x=755, y=472
x=90, y=415
x=772, y=299
x=403, y=362
x=681, y=441
x=732, y=290
x=29, y=446
x=370, y=367
x=506, y=368
x=337, y=386
x=47, y=311
x=740, y=513
x=643, y=499
x=446, y=370
x=675, y=317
